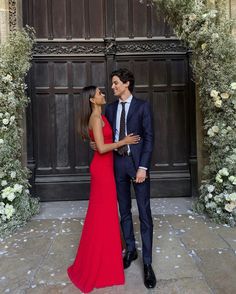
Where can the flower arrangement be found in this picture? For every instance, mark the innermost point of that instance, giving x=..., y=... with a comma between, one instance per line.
x=206, y=30
x=16, y=205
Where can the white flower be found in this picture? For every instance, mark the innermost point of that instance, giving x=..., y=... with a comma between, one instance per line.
x=11, y=197
x=224, y=96
x=203, y=46
x=215, y=35
x=18, y=188
x=218, y=198
x=213, y=13
x=13, y=174
x=218, y=103
x=230, y=206
x=224, y=172
x=209, y=195
x=7, y=78
x=232, y=178
x=233, y=86
x=2, y=210
x=8, y=193
x=1, y=141
x=214, y=93
x=232, y=196
x=210, y=133
x=5, y=121
x=9, y=210
x=3, y=183
x=12, y=118
x=218, y=179
x=215, y=129
x=210, y=188
x=211, y=205
x=192, y=16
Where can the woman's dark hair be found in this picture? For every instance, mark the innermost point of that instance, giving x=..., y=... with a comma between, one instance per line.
x=125, y=76
x=85, y=110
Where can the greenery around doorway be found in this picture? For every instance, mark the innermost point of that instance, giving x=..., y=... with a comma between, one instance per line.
x=206, y=29
x=16, y=204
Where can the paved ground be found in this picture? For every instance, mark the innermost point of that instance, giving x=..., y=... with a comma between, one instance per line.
x=190, y=254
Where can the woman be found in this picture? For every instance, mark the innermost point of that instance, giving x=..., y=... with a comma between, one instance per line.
x=98, y=262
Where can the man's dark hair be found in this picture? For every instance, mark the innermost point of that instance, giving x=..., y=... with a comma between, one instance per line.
x=125, y=75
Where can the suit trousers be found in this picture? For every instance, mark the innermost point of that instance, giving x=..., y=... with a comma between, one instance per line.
x=124, y=172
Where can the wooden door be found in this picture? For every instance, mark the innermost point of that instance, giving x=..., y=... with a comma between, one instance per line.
x=79, y=42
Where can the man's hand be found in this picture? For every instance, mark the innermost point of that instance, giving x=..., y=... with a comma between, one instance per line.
x=140, y=175
x=93, y=145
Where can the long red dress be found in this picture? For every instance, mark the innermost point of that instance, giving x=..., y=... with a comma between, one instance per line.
x=98, y=262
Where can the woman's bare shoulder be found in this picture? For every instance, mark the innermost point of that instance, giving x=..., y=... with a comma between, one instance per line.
x=94, y=119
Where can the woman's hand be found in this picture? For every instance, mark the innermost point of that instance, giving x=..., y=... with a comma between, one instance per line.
x=131, y=139
x=93, y=145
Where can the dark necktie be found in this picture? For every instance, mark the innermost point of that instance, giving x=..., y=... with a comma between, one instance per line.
x=123, y=149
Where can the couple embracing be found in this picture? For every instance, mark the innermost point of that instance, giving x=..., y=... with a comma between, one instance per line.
x=123, y=147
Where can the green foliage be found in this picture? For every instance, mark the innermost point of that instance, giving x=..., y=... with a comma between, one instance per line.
x=206, y=29
x=16, y=205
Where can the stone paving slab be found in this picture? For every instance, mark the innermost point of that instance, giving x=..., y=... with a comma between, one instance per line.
x=190, y=256
x=219, y=269
x=196, y=233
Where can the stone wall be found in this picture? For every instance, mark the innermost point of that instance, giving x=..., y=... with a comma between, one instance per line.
x=4, y=20
x=233, y=13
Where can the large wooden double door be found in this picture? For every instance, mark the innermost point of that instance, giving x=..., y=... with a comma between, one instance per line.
x=79, y=42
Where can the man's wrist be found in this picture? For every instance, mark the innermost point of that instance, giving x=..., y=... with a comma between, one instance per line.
x=143, y=167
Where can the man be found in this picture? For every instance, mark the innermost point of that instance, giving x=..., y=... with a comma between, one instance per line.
x=131, y=115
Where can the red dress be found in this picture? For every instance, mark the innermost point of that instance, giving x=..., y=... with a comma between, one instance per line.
x=98, y=262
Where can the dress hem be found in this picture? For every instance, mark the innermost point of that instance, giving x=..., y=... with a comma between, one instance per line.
x=75, y=283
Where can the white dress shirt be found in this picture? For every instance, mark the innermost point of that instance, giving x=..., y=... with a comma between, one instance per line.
x=118, y=115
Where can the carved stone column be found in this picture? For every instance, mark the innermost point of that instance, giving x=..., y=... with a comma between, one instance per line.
x=4, y=20
x=15, y=21
x=233, y=13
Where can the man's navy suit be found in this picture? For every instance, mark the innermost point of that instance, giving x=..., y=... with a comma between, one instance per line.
x=139, y=122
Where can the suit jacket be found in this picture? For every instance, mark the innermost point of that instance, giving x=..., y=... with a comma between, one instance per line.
x=139, y=122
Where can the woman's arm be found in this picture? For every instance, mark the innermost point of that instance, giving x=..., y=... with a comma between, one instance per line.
x=96, y=125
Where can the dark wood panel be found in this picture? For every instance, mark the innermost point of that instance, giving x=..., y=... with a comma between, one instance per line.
x=162, y=136
x=96, y=19
x=121, y=18
x=77, y=19
x=79, y=43
x=62, y=131
x=43, y=132
x=140, y=18
x=39, y=17
x=179, y=136
x=59, y=16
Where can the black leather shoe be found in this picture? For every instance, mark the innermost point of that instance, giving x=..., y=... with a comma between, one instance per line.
x=129, y=257
x=149, y=276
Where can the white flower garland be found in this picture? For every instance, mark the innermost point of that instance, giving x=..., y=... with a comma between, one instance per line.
x=206, y=29
x=16, y=205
